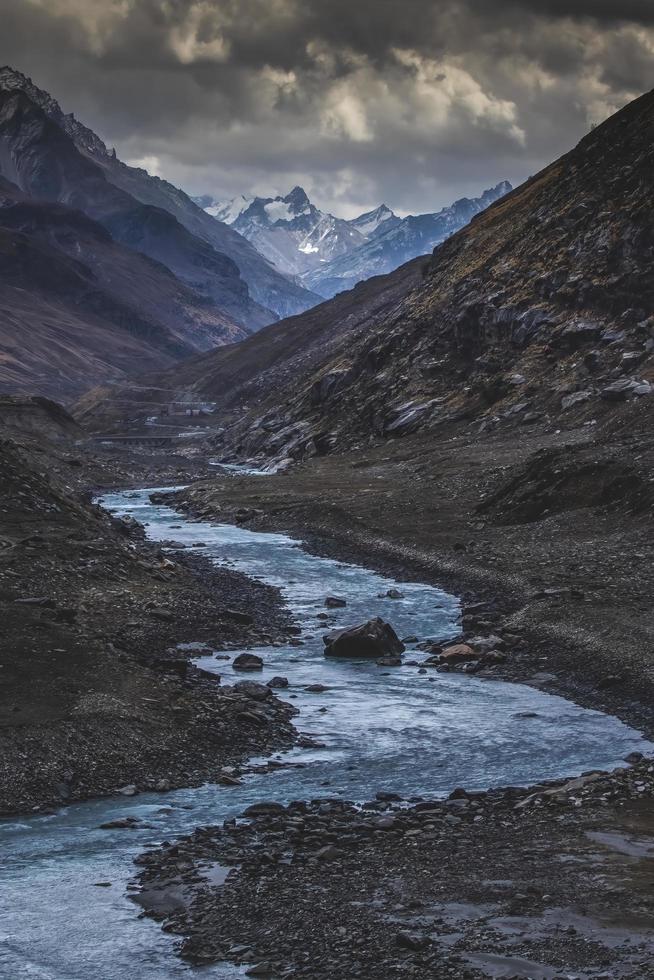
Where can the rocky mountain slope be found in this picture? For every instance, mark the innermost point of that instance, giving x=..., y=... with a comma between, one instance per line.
x=331, y=254
x=283, y=353
x=79, y=308
x=537, y=314
x=51, y=155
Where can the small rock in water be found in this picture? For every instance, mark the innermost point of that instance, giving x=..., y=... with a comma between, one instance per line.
x=333, y=602
x=316, y=688
x=391, y=594
x=122, y=823
x=278, y=682
x=129, y=790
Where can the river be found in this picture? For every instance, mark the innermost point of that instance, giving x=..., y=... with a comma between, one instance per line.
x=383, y=729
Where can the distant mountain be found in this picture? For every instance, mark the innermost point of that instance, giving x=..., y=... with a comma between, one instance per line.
x=64, y=160
x=79, y=308
x=292, y=233
x=373, y=222
x=393, y=241
x=330, y=254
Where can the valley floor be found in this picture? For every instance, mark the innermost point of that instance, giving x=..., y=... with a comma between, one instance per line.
x=548, y=542
x=550, y=882
x=552, y=534
x=547, y=882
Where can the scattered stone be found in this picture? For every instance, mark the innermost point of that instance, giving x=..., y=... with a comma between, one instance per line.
x=624, y=388
x=412, y=941
x=42, y=601
x=333, y=602
x=254, y=690
x=165, y=615
x=458, y=653
x=129, y=790
x=235, y=616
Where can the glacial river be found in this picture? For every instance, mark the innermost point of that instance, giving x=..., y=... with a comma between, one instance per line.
x=392, y=729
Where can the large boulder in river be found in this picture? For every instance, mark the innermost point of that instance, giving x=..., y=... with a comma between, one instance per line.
x=372, y=640
x=247, y=661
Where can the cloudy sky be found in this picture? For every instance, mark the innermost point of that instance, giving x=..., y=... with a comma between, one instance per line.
x=412, y=102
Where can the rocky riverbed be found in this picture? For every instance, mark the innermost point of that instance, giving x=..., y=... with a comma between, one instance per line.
x=550, y=881
x=539, y=537
x=490, y=883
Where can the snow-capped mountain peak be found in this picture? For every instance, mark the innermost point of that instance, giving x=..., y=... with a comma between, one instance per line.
x=289, y=230
x=329, y=254
x=369, y=222
x=298, y=201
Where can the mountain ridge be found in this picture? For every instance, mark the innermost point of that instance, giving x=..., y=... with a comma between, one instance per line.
x=269, y=289
x=329, y=254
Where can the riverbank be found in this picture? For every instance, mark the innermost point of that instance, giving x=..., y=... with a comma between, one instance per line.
x=96, y=696
x=547, y=882
x=536, y=531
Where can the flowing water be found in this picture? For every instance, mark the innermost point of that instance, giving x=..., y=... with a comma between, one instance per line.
x=393, y=729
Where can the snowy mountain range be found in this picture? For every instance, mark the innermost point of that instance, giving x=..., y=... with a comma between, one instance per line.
x=329, y=254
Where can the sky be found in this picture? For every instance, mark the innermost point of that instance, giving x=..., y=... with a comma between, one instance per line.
x=410, y=102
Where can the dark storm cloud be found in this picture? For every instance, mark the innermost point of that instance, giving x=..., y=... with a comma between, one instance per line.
x=411, y=101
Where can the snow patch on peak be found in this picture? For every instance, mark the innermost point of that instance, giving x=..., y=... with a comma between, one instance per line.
x=229, y=211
